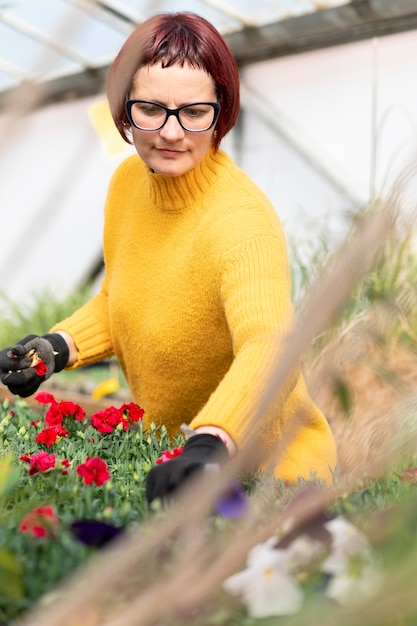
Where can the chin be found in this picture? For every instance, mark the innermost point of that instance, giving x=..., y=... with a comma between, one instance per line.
x=170, y=170
x=167, y=172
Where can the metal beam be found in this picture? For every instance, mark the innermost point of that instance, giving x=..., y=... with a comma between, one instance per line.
x=119, y=10
x=229, y=11
x=39, y=37
x=358, y=20
x=108, y=15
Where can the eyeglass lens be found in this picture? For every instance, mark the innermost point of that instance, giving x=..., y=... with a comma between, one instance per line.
x=193, y=117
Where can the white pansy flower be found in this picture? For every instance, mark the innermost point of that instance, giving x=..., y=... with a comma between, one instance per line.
x=356, y=575
x=356, y=584
x=298, y=554
x=347, y=541
x=265, y=587
x=268, y=587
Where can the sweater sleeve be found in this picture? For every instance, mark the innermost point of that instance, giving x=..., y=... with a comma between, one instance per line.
x=89, y=327
x=256, y=295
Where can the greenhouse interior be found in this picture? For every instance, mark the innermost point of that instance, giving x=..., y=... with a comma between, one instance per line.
x=327, y=132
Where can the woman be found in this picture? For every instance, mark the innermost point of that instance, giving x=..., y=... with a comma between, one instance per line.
x=196, y=296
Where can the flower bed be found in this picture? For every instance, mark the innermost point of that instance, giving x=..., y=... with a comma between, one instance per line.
x=68, y=482
x=71, y=484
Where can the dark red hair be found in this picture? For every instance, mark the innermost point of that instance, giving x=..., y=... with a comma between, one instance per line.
x=175, y=39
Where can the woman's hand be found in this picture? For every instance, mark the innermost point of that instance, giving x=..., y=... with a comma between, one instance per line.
x=199, y=451
x=219, y=432
x=31, y=361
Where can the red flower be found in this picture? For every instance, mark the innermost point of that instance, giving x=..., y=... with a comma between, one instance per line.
x=106, y=420
x=40, y=522
x=167, y=455
x=58, y=410
x=39, y=462
x=65, y=465
x=94, y=470
x=40, y=368
x=71, y=409
x=48, y=436
x=133, y=411
x=54, y=415
x=43, y=397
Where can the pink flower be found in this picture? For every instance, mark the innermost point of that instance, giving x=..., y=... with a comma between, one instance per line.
x=94, y=470
x=40, y=522
x=39, y=462
x=48, y=436
x=167, y=455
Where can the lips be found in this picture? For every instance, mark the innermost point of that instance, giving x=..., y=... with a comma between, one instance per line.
x=169, y=153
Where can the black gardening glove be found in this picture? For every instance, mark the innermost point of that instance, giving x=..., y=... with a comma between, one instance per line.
x=199, y=451
x=20, y=369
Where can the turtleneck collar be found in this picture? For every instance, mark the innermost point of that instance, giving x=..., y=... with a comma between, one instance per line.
x=176, y=193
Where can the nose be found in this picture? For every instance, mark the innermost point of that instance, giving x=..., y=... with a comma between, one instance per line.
x=172, y=129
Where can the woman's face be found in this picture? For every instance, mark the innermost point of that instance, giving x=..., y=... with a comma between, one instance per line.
x=172, y=150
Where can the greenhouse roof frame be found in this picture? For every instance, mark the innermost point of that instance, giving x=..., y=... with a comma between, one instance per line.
x=287, y=27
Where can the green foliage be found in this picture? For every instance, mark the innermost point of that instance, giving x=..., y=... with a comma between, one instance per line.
x=371, y=497
x=38, y=315
x=30, y=566
x=385, y=293
x=11, y=576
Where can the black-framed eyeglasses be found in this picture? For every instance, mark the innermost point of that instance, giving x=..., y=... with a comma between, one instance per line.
x=195, y=118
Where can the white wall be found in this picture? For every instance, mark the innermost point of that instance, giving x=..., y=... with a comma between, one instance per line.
x=53, y=181
x=352, y=109
x=54, y=172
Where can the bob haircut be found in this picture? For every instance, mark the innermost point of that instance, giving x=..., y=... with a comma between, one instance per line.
x=175, y=39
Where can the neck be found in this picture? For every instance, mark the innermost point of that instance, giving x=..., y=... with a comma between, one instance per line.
x=176, y=193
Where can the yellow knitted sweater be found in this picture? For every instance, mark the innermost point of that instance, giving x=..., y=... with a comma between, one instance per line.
x=195, y=297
